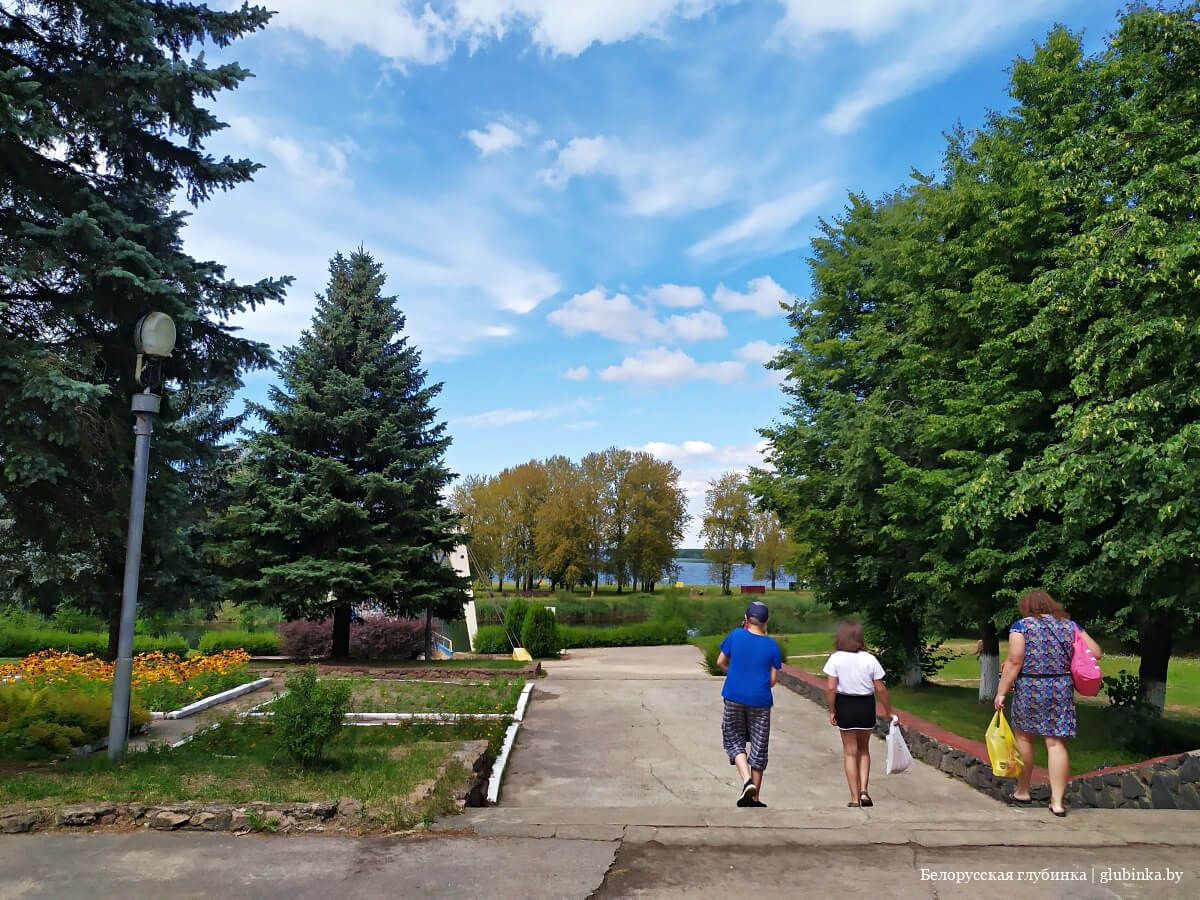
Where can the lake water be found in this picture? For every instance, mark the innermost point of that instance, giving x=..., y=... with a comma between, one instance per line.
x=696, y=571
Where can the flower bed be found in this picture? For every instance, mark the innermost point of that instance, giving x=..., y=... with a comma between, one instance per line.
x=161, y=681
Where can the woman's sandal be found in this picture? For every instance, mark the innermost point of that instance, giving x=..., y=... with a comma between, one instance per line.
x=1061, y=815
x=864, y=799
x=1013, y=800
x=852, y=805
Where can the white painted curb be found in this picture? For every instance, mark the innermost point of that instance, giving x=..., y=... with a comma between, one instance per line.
x=510, y=738
x=207, y=702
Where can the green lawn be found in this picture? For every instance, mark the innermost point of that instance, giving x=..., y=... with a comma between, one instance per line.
x=379, y=767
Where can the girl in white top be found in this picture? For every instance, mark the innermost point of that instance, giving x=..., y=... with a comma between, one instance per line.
x=854, y=678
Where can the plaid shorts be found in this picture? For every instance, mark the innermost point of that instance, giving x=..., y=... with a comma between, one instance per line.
x=742, y=725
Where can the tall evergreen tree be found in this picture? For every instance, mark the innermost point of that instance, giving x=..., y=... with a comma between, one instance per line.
x=338, y=502
x=101, y=126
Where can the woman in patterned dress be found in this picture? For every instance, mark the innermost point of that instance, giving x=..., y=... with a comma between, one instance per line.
x=1039, y=663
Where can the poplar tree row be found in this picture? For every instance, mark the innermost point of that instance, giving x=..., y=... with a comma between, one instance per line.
x=996, y=383
x=619, y=513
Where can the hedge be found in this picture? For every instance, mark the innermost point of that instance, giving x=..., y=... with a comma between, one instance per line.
x=642, y=634
x=492, y=639
x=540, y=636
x=256, y=643
x=23, y=641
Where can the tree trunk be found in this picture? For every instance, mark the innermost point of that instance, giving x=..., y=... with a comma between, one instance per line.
x=428, y=636
x=772, y=579
x=1155, y=638
x=341, y=631
x=912, y=653
x=114, y=633
x=989, y=661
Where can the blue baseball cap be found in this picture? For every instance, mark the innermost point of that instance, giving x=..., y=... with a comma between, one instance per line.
x=757, y=610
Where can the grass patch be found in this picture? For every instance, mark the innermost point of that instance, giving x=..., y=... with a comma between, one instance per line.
x=377, y=766
x=497, y=695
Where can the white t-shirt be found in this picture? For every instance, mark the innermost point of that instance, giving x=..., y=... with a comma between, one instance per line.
x=855, y=672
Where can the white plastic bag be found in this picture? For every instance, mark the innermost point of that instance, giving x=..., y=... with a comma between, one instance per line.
x=898, y=757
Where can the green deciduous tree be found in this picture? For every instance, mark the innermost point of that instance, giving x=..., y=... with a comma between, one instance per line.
x=772, y=548
x=338, y=500
x=728, y=526
x=101, y=126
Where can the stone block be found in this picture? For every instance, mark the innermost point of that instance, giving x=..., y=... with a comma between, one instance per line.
x=1040, y=792
x=323, y=809
x=1112, y=779
x=1162, y=788
x=74, y=816
x=168, y=820
x=17, y=822
x=1189, y=771
x=1109, y=797
x=1187, y=797
x=1131, y=787
x=238, y=821
x=349, y=808
x=1088, y=795
x=204, y=820
x=1172, y=764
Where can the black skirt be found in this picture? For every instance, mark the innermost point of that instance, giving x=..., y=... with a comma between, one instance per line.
x=854, y=712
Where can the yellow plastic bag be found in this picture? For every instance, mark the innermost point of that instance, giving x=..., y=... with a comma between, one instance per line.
x=1002, y=748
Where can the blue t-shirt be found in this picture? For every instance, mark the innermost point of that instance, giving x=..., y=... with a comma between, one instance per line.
x=751, y=658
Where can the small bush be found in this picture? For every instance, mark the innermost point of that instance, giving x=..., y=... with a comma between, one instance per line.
x=69, y=618
x=306, y=640
x=256, y=643
x=514, y=620
x=309, y=714
x=540, y=636
x=491, y=639
x=710, y=660
x=385, y=637
x=641, y=634
x=53, y=721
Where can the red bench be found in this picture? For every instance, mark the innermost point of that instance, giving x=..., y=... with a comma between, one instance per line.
x=753, y=588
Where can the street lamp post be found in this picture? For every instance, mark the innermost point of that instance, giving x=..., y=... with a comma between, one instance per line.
x=154, y=337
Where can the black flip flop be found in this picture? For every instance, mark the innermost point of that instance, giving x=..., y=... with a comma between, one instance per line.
x=853, y=805
x=864, y=799
x=1017, y=801
x=1061, y=815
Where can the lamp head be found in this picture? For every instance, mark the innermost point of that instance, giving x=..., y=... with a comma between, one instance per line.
x=154, y=335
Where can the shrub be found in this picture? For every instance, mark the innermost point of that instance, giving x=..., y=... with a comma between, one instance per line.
x=673, y=605
x=23, y=641
x=710, y=660
x=171, y=643
x=385, y=637
x=641, y=634
x=540, y=635
x=309, y=713
x=514, y=620
x=69, y=618
x=491, y=639
x=306, y=640
x=256, y=643
x=53, y=721
x=373, y=637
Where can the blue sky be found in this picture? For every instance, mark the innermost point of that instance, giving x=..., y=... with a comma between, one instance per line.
x=590, y=209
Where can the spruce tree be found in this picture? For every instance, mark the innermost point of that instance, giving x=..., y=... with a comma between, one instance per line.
x=338, y=502
x=102, y=126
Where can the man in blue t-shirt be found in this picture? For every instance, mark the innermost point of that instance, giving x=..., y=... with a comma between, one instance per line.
x=751, y=662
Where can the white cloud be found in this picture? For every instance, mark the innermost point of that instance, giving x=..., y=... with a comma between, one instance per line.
x=919, y=42
x=762, y=296
x=761, y=227
x=698, y=326
x=318, y=164
x=663, y=366
x=497, y=417
x=579, y=373
x=616, y=317
x=412, y=31
x=675, y=295
x=621, y=319
x=758, y=352
x=678, y=452
x=496, y=137
x=652, y=181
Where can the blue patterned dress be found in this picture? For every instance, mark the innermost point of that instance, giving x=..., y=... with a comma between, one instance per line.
x=1045, y=705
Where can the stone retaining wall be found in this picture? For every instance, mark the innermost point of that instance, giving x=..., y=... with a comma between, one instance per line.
x=1170, y=783
x=323, y=816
